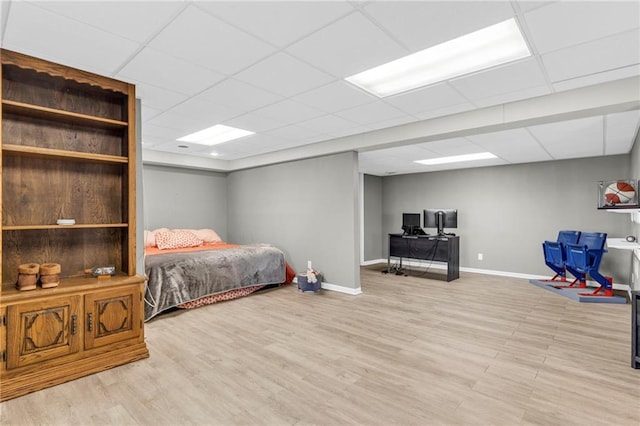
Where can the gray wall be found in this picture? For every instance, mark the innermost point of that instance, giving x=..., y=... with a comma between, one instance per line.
x=307, y=208
x=185, y=198
x=634, y=274
x=506, y=212
x=635, y=174
x=372, y=217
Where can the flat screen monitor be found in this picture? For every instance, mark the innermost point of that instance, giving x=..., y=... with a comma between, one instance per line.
x=440, y=219
x=411, y=223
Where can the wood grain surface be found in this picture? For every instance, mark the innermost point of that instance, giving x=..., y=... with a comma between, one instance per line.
x=410, y=350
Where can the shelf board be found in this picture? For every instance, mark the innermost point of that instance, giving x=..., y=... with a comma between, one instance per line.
x=58, y=114
x=62, y=154
x=625, y=210
x=76, y=226
x=70, y=284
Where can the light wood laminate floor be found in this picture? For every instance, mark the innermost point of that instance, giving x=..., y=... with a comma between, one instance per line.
x=410, y=351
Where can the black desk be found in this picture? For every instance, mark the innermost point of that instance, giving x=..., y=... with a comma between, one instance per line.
x=427, y=247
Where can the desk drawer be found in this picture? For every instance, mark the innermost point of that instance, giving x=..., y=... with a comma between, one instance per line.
x=420, y=248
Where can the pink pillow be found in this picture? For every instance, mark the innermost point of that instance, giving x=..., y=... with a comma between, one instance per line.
x=207, y=235
x=176, y=239
x=149, y=238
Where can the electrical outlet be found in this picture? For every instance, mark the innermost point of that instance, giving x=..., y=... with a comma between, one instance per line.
x=480, y=256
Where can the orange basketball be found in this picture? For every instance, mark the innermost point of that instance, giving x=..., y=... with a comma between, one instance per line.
x=619, y=193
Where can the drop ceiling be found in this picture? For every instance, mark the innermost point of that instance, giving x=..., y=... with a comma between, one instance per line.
x=278, y=69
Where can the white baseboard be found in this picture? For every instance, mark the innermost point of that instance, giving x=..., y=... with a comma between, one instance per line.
x=338, y=288
x=443, y=266
x=342, y=289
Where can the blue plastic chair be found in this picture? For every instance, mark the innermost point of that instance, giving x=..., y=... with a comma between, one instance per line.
x=584, y=258
x=555, y=254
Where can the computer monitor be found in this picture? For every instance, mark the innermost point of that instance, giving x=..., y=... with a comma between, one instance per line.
x=411, y=223
x=440, y=219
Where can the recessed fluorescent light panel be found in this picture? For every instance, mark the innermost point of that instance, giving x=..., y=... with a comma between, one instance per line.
x=457, y=158
x=215, y=135
x=482, y=49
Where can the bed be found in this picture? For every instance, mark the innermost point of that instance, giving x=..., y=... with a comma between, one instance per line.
x=187, y=272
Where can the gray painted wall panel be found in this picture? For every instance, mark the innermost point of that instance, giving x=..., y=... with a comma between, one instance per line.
x=373, y=239
x=634, y=273
x=307, y=208
x=506, y=212
x=185, y=198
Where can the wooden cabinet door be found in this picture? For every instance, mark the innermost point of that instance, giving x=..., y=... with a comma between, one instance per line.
x=112, y=316
x=38, y=331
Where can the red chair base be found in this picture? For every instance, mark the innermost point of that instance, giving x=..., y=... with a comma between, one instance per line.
x=606, y=292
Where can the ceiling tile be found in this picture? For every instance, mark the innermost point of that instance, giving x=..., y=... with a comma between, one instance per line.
x=392, y=122
x=41, y=33
x=253, y=122
x=284, y=75
x=288, y=60
x=427, y=99
x=199, y=38
x=335, y=96
x=157, y=97
x=440, y=112
x=601, y=55
x=297, y=143
x=348, y=132
x=247, y=146
x=158, y=133
x=516, y=95
x=327, y=124
x=410, y=153
x=571, y=139
x=449, y=147
x=204, y=111
x=251, y=149
x=601, y=77
x=371, y=113
x=135, y=20
x=620, y=132
x=465, y=165
x=179, y=124
x=514, y=146
x=568, y=23
x=161, y=70
x=147, y=113
x=4, y=15
x=348, y=46
x=288, y=111
x=422, y=24
x=519, y=75
x=279, y=23
x=293, y=133
x=184, y=148
x=239, y=95
x=527, y=5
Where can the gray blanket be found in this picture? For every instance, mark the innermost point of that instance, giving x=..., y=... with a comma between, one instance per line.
x=175, y=278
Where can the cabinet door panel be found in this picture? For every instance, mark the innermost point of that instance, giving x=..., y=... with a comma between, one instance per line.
x=41, y=331
x=112, y=316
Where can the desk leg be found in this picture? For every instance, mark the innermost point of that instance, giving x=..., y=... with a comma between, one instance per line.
x=453, y=271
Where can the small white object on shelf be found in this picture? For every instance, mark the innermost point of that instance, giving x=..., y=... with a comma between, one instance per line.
x=66, y=222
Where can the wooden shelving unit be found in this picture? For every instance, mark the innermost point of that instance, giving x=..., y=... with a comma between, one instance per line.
x=68, y=152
